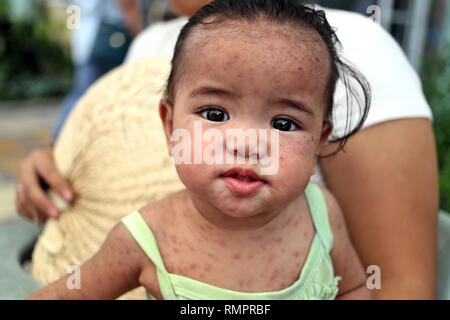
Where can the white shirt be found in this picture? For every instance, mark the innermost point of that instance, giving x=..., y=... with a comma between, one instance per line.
x=157, y=41
x=396, y=87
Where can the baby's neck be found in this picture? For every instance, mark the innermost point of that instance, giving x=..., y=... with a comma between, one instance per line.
x=210, y=223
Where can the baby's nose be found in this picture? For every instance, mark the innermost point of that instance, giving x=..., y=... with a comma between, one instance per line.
x=242, y=145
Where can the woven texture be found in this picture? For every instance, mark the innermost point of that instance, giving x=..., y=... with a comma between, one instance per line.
x=113, y=152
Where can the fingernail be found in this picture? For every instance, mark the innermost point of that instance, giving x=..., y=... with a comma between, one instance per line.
x=67, y=195
x=53, y=213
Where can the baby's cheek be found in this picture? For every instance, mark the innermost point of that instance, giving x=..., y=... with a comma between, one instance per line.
x=188, y=174
x=306, y=144
x=196, y=176
x=299, y=147
x=298, y=155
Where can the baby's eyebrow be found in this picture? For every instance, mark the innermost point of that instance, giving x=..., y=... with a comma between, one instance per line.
x=296, y=105
x=208, y=90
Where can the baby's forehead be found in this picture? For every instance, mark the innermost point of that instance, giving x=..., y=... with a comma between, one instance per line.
x=252, y=32
x=259, y=38
x=264, y=49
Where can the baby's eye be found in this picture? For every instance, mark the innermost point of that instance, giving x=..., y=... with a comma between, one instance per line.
x=214, y=114
x=284, y=124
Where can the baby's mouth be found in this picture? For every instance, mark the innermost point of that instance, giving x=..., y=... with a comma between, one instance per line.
x=243, y=181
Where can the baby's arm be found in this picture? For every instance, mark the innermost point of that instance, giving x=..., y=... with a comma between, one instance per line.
x=345, y=259
x=112, y=271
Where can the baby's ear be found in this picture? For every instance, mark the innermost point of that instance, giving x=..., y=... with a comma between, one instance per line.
x=326, y=131
x=166, y=114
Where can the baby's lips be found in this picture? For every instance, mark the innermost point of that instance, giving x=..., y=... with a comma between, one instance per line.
x=242, y=186
x=243, y=173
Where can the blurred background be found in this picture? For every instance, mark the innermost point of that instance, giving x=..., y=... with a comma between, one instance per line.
x=43, y=68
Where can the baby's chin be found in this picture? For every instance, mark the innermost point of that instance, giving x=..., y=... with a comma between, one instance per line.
x=215, y=193
x=240, y=207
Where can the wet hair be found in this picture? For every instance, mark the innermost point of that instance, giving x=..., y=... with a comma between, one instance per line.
x=292, y=13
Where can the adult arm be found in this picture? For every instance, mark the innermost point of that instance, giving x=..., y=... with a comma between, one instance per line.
x=386, y=182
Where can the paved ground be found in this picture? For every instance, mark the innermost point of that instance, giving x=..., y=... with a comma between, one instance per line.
x=24, y=126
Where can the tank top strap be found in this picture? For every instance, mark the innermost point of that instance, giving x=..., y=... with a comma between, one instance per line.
x=143, y=235
x=319, y=214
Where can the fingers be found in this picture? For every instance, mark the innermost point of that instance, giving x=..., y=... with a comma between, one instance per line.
x=20, y=205
x=27, y=211
x=36, y=199
x=46, y=169
x=32, y=201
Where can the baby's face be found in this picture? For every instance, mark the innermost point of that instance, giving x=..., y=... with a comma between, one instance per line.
x=251, y=77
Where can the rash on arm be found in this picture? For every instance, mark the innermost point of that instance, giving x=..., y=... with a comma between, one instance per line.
x=111, y=272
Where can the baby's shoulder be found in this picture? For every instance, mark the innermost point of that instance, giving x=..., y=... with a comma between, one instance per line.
x=333, y=207
x=160, y=217
x=161, y=214
x=162, y=206
x=335, y=215
x=155, y=215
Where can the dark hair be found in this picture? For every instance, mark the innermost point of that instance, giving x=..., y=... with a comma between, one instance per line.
x=283, y=12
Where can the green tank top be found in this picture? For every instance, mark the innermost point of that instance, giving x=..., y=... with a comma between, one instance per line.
x=316, y=280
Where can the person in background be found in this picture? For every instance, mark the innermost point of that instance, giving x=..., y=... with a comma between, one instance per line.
x=100, y=43
x=386, y=181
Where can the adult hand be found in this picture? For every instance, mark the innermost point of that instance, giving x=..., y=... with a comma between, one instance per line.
x=38, y=173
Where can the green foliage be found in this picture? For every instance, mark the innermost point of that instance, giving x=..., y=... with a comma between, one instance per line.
x=436, y=82
x=32, y=64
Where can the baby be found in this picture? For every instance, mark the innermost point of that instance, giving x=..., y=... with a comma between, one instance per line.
x=239, y=231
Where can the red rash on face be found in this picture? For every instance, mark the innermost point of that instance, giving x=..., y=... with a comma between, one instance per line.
x=211, y=256
x=257, y=65
x=222, y=243
x=255, y=238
